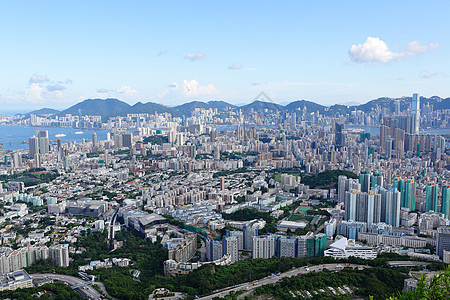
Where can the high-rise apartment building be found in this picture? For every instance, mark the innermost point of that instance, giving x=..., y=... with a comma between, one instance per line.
x=407, y=188
x=431, y=200
x=415, y=113
x=60, y=254
x=445, y=201
x=231, y=246
x=214, y=250
x=390, y=207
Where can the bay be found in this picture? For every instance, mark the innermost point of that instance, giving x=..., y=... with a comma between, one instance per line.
x=12, y=137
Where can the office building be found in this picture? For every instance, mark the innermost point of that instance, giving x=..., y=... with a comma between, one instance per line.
x=442, y=240
x=44, y=145
x=127, y=139
x=339, y=135
x=33, y=146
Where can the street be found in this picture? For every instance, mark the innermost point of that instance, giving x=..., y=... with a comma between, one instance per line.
x=87, y=291
x=248, y=287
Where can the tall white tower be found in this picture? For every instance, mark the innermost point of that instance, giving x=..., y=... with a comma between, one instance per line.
x=415, y=113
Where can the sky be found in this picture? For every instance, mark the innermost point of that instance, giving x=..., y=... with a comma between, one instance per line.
x=57, y=53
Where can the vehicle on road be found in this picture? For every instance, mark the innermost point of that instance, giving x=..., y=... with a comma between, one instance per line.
x=255, y=283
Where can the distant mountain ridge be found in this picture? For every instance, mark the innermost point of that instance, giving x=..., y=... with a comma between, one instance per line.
x=113, y=107
x=44, y=111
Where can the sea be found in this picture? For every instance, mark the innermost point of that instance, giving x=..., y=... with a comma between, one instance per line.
x=16, y=137
x=375, y=130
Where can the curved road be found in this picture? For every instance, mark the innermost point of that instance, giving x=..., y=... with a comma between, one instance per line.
x=248, y=287
x=87, y=291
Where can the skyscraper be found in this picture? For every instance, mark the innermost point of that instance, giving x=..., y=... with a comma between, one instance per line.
x=339, y=138
x=431, y=202
x=94, y=140
x=33, y=146
x=390, y=207
x=445, y=201
x=415, y=113
x=214, y=250
x=43, y=141
x=231, y=246
x=384, y=133
x=364, y=180
x=407, y=188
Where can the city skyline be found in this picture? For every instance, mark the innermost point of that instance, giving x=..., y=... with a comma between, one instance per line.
x=59, y=54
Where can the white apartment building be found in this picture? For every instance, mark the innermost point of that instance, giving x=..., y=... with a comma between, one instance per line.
x=263, y=246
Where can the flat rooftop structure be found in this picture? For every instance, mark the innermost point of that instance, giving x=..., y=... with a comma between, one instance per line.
x=15, y=280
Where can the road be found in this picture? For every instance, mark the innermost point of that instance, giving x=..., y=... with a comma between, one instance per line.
x=87, y=291
x=248, y=287
x=111, y=231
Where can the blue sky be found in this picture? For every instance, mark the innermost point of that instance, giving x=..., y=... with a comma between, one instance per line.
x=57, y=53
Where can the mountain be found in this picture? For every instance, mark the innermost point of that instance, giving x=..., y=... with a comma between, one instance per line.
x=114, y=107
x=261, y=106
x=151, y=108
x=310, y=106
x=44, y=112
x=99, y=107
x=186, y=108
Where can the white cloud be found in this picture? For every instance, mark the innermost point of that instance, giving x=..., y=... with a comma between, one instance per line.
x=127, y=90
x=414, y=48
x=102, y=91
x=35, y=78
x=235, y=66
x=34, y=93
x=195, y=56
x=55, y=87
x=427, y=75
x=193, y=88
x=187, y=89
x=375, y=50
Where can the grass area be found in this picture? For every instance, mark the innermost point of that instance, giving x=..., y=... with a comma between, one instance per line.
x=278, y=176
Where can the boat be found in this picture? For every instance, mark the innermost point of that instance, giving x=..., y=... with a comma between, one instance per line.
x=60, y=135
x=79, y=132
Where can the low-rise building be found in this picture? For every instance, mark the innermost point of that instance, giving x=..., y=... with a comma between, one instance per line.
x=344, y=248
x=15, y=280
